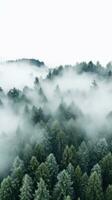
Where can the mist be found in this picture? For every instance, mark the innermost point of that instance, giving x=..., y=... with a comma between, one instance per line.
x=20, y=74
x=89, y=94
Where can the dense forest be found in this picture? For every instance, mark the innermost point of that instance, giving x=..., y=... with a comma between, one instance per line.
x=56, y=137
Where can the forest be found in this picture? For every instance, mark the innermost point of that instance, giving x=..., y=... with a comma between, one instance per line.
x=56, y=136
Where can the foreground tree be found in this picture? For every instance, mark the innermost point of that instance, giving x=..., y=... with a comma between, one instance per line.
x=68, y=198
x=77, y=180
x=69, y=156
x=42, y=193
x=63, y=186
x=43, y=172
x=94, y=189
x=17, y=176
x=6, y=190
x=84, y=184
x=83, y=156
x=52, y=166
x=106, y=168
x=26, y=191
x=109, y=193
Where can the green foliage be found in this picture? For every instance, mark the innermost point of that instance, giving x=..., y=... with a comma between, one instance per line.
x=63, y=186
x=94, y=188
x=69, y=156
x=17, y=176
x=77, y=180
x=53, y=147
x=39, y=152
x=43, y=172
x=101, y=148
x=52, y=166
x=84, y=184
x=97, y=168
x=83, y=156
x=67, y=198
x=56, y=140
x=6, y=190
x=106, y=167
x=42, y=193
x=26, y=189
x=70, y=170
x=33, y=165
x=108, y=195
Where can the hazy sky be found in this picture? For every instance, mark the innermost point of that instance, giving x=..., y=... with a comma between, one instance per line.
x=56, y=31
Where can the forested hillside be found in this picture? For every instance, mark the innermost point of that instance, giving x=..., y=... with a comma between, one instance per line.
x=56, y=137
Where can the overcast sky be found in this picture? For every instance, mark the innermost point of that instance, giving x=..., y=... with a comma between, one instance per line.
x=56, y=31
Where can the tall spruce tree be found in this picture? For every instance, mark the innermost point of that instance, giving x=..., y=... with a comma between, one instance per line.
x=63, y=186
x=6, y=190
x=42, y=193
x=108, y=195
x=26, y=191
x=77, y=181
x=52, y=166
x=94, y=189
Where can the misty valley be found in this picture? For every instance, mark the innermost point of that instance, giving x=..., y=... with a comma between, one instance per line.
x=55, y=131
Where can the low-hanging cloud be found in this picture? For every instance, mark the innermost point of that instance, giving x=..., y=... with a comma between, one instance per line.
x=89, y=94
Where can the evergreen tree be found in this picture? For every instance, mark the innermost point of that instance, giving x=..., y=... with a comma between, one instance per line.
x=26, y=189
x=33, y=166
x=27, y=154
x=67, y=198
x=63, y=186
x=43, y=172
x=97, y=168
x=77, y=180
x=17, y=176
x=39, y=152
x=69, y=156
x=55, y=140
x=94, y=188
x=108, y=195
x=41, y=193
x=101, y=148
x=84, y=184
x=17, y=163
x=106, y=168
x=83, y=156
x=53, y=169
x=6, y=190
x=70, y=170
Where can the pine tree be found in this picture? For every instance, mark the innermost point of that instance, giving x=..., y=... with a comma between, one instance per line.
x=41, y=193
x=17, y=176
x=69, y=156
x=52, y=166
x=97, y=168
x=83, y=156
x=27, y=154
x=17, y=163
x=109, y=193
x=26, y=189
x=70, y=170
x=55, y=140
x=77, y=180
x=106, y=168
x=101, y=148
x=94, y=188
x=63, y=186
x=84, y=184
x=6, y=190
x=39, y=152
x=67, y=198
x=33, y=168
x=43, y=172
